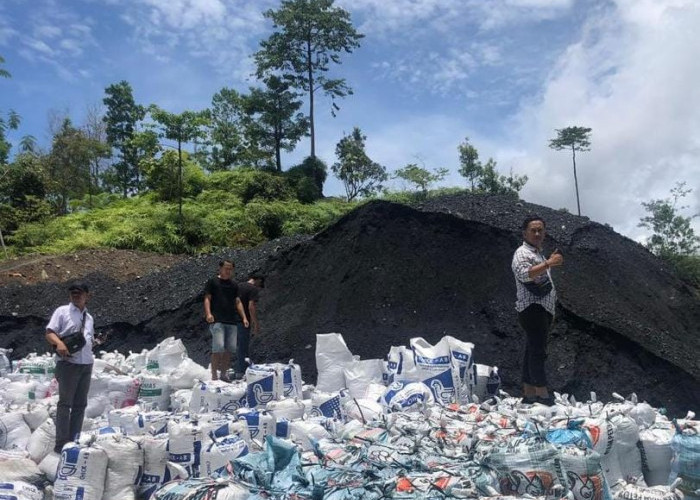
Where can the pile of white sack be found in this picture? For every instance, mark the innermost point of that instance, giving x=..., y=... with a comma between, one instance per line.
x=157, y=427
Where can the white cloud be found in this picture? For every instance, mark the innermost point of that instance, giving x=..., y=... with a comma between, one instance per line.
x=632, y=79
x=220, y=34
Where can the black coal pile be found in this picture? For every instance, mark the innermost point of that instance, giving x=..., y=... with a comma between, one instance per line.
x=388, y=272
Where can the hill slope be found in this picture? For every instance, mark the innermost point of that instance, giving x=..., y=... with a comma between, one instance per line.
x=387, y=272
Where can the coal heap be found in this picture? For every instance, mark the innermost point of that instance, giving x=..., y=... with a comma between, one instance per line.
x=388, y=272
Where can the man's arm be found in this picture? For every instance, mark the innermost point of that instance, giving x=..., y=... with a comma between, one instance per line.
x=207, y=308
x=53, y=339
x=255, y=326
x=241, y=312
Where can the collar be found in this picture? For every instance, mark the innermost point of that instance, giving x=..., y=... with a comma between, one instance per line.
x=72, y=306
x=530, y=247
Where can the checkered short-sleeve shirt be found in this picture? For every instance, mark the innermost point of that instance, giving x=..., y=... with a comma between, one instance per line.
x=524, y=258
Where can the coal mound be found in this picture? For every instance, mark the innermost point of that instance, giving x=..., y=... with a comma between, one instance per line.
x=387, y=272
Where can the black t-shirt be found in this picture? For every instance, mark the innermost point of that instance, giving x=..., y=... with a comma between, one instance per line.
x=247, y=292
x=223, y=299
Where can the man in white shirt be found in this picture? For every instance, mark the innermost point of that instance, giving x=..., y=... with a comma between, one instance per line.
x=73, y=371
x=535, y=303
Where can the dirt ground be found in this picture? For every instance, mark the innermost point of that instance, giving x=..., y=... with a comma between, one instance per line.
x=385, y=273
x=121, y=265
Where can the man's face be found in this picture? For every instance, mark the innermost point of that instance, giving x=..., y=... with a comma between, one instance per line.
x=534, y=234
x=78, y=298
x=226, y=271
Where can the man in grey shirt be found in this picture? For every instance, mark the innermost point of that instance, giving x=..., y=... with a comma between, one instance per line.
x=73, y=371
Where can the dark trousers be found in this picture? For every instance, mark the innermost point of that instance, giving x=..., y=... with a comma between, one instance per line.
x=73, y=386
x=243, y=346
x=536, y=322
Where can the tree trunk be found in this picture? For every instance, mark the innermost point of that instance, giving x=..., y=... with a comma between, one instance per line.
x=573, y=155
x=179, y=180
x=311, y=98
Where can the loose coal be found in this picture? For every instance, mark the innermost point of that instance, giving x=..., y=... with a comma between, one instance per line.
x=388, y=272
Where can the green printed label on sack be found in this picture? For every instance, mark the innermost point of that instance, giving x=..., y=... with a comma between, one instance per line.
x=33, y=370
x=152, y=365
x=146, y=393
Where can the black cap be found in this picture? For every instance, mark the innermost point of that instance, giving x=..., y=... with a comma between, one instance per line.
x=82, y=287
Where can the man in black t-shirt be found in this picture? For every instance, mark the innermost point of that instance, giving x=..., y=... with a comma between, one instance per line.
x=248, y=292
x=222, y=310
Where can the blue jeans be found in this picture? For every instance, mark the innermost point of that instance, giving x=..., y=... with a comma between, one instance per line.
x=243, y=343
x=223, y=337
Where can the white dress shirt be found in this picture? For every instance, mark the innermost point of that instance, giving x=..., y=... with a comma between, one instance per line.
x=68, y=319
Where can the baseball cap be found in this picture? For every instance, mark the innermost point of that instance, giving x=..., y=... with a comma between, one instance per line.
x=82, y=287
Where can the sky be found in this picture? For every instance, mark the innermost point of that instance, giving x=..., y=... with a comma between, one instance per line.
x=429, y=73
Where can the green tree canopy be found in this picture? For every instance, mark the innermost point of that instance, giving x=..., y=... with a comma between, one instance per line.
x=575, y=139
x=360, y=175
x=469, y=165
x=273, y=122
x=309, y=36
x=672, y=233
x=420, y=177
x=121, y=119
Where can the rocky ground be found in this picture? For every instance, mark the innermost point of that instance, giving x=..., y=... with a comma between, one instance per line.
x=386, y=273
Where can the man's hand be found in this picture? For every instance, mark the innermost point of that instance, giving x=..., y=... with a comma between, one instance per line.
x=246, y=323
x=62, y=350
x=556, y=259
x=209, y=318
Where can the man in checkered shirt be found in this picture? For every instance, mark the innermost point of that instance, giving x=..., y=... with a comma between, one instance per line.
x=535, y=303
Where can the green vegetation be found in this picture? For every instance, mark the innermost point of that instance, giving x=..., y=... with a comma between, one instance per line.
x=216, y=217
x=673, y=238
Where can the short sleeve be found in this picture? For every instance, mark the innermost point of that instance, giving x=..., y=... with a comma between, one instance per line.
x=208, y=287
x=55, y=321
x=521, y=266
x=254, y=294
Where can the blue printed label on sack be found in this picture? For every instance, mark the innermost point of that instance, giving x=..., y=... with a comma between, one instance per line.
x=253, y=421
x=330, y=408
x=462, y=356
x=440, y=360
x=69, y=462
x=282, y=429
x=180, y=458
x=442, y=387
x=261, y=391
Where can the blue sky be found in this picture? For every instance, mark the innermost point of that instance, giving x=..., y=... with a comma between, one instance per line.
x=505, y=73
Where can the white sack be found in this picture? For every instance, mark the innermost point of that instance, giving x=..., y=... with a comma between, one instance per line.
x=219, y=454
x=487, y=381
x=410, y=396
x=265, y=384
x=187, y=373
x=81, y=473
x=19, y=490
x=14, y=431
x=656, y=454
x=154, y=392
x=332, y=357
x=155, y=466
x=290, y=408
x=436, y=360
x=360, y=374
x=462, y=360
x=42, y=441
x=124, y=467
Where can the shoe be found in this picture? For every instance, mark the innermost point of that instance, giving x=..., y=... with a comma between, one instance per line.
x=224, y=378
x=528, y=400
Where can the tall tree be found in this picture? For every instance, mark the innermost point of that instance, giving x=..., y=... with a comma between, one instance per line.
x=309, y=36
x=182, y=128
x=68, y=165
x=121, y=119
x=95, y=129
x=226, y=130
x=470, y=167
x=576, y=139
x=11, y=123
x=360, y=175
x=272, y=119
